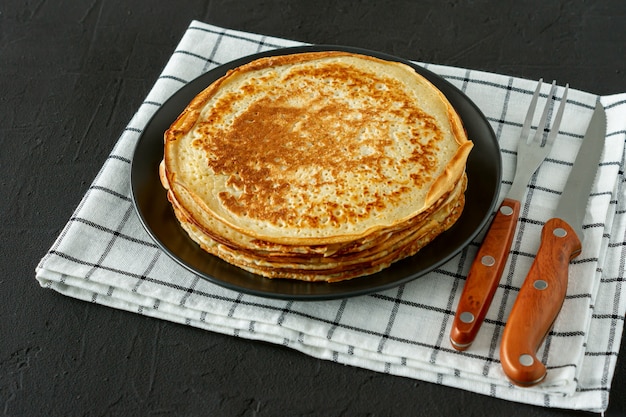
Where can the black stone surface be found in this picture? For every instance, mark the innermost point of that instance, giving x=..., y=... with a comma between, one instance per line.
x=72, y=74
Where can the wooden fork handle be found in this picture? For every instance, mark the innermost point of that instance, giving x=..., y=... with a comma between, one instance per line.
x=484, y=275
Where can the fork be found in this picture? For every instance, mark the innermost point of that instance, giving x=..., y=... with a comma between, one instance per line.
x=486, y=270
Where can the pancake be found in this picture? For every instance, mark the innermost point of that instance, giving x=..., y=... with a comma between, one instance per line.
x=316, y=166
x=360, y=259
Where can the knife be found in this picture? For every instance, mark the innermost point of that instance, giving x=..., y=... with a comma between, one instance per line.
x=542, y=294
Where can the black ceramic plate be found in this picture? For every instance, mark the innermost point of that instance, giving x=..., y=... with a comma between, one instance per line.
x=483, y=170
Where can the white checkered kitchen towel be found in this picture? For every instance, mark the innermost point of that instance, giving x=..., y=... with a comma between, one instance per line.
x=103, y=255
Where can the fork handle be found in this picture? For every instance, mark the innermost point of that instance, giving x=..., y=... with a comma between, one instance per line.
x=484, y=275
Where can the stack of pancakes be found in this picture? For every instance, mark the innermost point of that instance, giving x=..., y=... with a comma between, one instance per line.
x=318, y=166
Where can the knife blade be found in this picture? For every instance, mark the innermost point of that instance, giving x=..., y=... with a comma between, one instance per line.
x=542, y=294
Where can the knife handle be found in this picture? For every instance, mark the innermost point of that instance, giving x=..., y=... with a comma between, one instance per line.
x=538, y=303
x=484, y=275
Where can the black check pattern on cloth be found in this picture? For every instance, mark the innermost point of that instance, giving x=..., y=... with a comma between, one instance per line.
x=103, y=255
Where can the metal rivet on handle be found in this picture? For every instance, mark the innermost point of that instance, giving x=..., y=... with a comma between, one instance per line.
x=488, y=260
x=526, y=359
x=540, y=284
x=466, y=317
x=506, y=210
x=559, y=232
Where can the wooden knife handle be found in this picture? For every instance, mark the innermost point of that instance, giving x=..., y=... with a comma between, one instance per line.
x=484, y=275
x=538, y=303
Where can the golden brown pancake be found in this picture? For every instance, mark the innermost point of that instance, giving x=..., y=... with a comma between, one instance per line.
x=359, y=259
x=316, y=166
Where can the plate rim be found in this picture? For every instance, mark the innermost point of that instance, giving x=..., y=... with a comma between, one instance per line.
x=199, y=83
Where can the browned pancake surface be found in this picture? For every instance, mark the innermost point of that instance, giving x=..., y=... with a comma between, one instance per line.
x=311, y=153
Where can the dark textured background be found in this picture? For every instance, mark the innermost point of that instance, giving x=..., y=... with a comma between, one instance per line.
x=72, y=73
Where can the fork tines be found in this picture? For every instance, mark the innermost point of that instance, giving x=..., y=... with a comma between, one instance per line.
x=525, y=135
